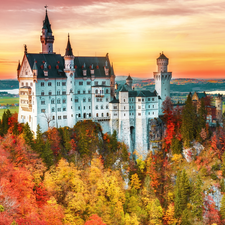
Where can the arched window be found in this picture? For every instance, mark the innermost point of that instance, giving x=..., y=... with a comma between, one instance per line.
x=107, y=91
x=58, y=101
x=96, y=114
x=53, y=109
x=50, y=93
x=84, y=99
x=42, y=93
x=96, y=91
x=22, y=84
x=64, y=100
x=102, y=107
x=102, y=115
x=107, y=114
x=89, y=99
x=76, y=99
x=53, y=101
x=58, y=92
x=96, y=107
x=89, y=115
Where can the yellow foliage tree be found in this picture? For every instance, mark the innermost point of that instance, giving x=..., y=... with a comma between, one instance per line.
x=135, y=181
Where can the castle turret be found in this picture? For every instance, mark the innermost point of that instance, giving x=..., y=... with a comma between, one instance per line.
x=47, y=39
x=112, y=81
x=162, y=78
x=219, y=107
x=129, y=81
x=70, y=71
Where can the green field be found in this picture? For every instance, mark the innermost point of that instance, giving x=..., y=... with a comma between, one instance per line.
x=12, y=110
x=8, y=100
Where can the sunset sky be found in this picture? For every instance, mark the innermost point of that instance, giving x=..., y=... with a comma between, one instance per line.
x=191, y=34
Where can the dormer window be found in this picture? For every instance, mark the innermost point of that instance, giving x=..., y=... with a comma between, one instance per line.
x=84, y=72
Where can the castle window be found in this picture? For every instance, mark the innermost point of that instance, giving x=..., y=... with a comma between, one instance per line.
x=152, y=113
x=96, y=82
x=49, y=84
x=96, y=107
x=103, y=82
x=22, y=84
x=153, y=106
x=84, y=107
x=124, y=100
x=96, y=114
x=59, y=117
x=84, y=92
x=59, y=109
x=78, y=92
x=102, y=107
x=53, y=109
x=53, y=118
x=139, y=114
x=124, y=107
x=58, y=101
x=139, y=107
x=78, y=107
x=124, y=114
x=107, y=114
x=52, y=101
x=27, y=84
x=43, y=102
x=80, y=83
x=63, y=92
x=63, y=83
x=96, y=91
x=71, y=115
x=89, y=91
x=88, y=83
x=102, y=115
x=71, y=107
x=89, y=107
x=31, y=84
x=64, y=100
x=42, y=84
x=97, y=99
x=58, y=83
x=153, y=99
x=149, y=106
x=107, y=99
x=89, y=99
x=148, y=99
x=76, y=99
x=58, y=92
x=100, y=99
x=143, y=99
x=114, y=107
x=42, y=93
x=64, y=109
x=89, y=114
x=50, y=93
x=107, y=107
x=139, y=100
x=43, y=110
x=84, y=99
x=65, y=117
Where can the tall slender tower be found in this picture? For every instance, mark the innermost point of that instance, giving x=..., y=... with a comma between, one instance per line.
x=219, y=107
x=47, y=39
x=162, y=77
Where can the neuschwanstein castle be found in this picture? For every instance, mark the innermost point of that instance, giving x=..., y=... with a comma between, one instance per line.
x=58, y=91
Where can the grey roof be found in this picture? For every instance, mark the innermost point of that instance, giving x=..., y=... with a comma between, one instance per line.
x=46, y=24
x=98, y=66
x=55, y=61
x=114, y=100
x=35, y=65
x=123, y=89
x=142, y=94
x=129, y=78
x=69, y=50
x=201, y=95
x=162, y=56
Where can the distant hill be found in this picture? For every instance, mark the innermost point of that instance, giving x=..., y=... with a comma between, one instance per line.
x=9, y=84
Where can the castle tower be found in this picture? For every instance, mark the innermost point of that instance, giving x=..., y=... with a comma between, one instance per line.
x=219, y=107
x=162, y=78
x=112, y=81
x=47, y=39
x=70, y=71
x=129, y=81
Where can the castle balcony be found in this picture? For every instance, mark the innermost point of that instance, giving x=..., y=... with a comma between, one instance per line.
x=25, y=98
x=101, y=118
x=99, y=95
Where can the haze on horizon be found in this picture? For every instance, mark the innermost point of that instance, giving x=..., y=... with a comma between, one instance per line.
x=190, y=33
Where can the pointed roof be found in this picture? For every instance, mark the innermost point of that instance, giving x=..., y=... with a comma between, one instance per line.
x=129, y=78
x=18, y=67
x=123, y=89
x=162, y=56
x=46, y=23
x=114, y=100
x=35, y=65
x=69, y=50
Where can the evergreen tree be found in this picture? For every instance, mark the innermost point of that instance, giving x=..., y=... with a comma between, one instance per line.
x=223, y=164
x=66, y=139
x=201, y=123
x=185, y=218
x=47, y=154
x=28, y=135
x=222, y=207
x=197, y=199
x=39, y=143
x=184, y=190
x=177, y=200
x=5, y=118
x=176, y=146
x=188, y=119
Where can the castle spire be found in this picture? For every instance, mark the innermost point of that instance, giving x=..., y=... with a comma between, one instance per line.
x=69, y=50
x=46, y=23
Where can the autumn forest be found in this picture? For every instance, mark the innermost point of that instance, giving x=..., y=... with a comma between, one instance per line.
x=81, y=176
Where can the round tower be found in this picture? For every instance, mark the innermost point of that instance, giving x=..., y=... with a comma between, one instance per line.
x=129, y=81
x=162, y=77
x=219, y=107
x=47, y=39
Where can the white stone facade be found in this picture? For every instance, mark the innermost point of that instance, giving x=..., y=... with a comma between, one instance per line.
x=58, y=91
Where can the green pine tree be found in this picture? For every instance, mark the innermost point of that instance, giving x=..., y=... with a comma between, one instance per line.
x=176, y=146
x=177, y=200
x=222, y=207
x=197, y=199
x=201, y=123
x=39, y=143
x=184, y=190
x=28, y=135
x=188, y=119
x=5, y=118
x=47, y=154
x=185, y=218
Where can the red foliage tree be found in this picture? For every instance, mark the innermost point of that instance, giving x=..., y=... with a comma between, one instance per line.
x=95, y=220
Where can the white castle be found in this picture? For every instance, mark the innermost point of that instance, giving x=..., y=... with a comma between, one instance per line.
x=58, y=91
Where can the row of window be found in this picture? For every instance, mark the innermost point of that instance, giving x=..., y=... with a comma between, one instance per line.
x=139, y=99
x=89, y=83
x=89, y=115
x=26, y=84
